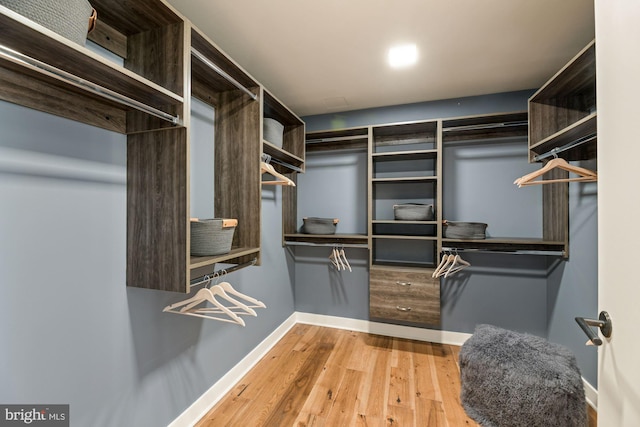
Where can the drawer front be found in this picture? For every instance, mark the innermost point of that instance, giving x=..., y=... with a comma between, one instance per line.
x=409, y=295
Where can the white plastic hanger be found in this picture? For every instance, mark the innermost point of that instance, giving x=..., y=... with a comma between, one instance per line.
x=203, y=295
x=344, y=258
x=457, y=265
x=584, y=175
x=280, y=179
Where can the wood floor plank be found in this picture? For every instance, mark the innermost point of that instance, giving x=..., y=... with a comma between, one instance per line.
x=323, y=377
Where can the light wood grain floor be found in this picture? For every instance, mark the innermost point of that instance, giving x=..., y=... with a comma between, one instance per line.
x=319, y=376
x=327, y=377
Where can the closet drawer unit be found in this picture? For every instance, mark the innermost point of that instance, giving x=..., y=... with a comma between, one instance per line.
x=404, y=294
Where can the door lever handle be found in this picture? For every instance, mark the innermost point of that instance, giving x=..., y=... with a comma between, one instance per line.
x=603, y=322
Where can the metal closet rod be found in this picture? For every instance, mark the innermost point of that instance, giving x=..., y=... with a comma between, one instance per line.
x=486, y=126
x=285, y=164
x=566, y=147
x=207, y=277
x=222, y=73
x=336, y=138
x=58, y=74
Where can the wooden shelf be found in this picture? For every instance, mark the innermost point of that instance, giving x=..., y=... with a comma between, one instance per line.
x=406, y=179
x=507, y=244
x=327, y=239
x=564, y=108
x=343, y=139
x=582, y=128
x=293, y=139
x=405, y=155
x=403, y=237
x=485, y=127
x=283, y=155
x=408, y=266
x=397, y=221
x=49, y=93
x=199, y=262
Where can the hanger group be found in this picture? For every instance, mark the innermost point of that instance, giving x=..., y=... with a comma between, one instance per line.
x=584, y=175
x=450, y=264
x=339, y=259
x=198, y=304
x=280, y=179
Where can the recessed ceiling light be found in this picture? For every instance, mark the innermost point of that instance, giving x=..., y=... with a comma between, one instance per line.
x=403, y=55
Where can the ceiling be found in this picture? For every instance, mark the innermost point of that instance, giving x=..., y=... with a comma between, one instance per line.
x=328, y=56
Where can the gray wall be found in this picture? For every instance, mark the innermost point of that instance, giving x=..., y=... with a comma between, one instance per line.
x=534, y=294
x=71, y=331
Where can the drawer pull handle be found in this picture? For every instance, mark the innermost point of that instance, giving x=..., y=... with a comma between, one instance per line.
x=403, y=283
x=403, y=308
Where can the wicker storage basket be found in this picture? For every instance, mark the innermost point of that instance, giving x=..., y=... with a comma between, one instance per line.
x=212, y=236
x=413, y=212
x=273, y=131
x=313, y=225
x=69, y=18
x=464, y=230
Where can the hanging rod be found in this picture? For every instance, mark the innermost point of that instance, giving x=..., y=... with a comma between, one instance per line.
x=336, y=138
x=504, y=251
x=569, y=146
x=207, y=277
x=486, y=126
x=285, y=164
x=222, y=73
x=61, y=75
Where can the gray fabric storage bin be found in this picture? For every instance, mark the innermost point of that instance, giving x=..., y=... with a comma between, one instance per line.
x=273, y=131
x=212, y=236
x=313, y=225
x=464, y=230
x=413, y=212
x=69, y=18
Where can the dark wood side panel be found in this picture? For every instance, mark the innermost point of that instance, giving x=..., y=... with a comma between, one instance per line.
x=290, y=206
x=157, y=212
x=555, y=199
x=237, y=165
x=157, y=55
x=109, y=38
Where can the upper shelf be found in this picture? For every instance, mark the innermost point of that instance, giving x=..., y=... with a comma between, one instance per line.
x=289, y=157
x=563, y=111
x=79, y=64
x=508, y=245
x=359, y=240
x=343, y=139
x=485, y=127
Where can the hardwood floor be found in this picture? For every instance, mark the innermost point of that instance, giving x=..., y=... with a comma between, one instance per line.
x=319, y=376
x=324, y=377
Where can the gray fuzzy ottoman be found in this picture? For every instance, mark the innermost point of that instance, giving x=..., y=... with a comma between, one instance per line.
x=511, y=379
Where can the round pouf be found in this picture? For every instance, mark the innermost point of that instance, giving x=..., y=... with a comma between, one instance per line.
x=511, y=379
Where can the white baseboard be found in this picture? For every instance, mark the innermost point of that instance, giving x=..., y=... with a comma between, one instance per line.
x=396, y=331
x=200, y=407
x=591, y=394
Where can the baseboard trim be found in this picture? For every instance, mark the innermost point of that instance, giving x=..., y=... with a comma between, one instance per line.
x=209, y=398
x=590, y=394
x=396, y=331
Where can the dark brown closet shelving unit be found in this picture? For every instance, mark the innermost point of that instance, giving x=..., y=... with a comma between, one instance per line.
x=149, y=101
x=320, y=141
x=505, y=126
x=563, y=122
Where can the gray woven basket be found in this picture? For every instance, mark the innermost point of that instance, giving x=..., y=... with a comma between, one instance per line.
x=69, y=18
x=465, y=230
x=212, y=236
x=413, y=212
x=273, y=131
x=313, y=225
